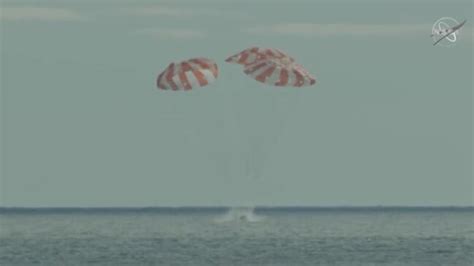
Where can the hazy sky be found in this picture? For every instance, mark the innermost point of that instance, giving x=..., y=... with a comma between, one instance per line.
x=388, y=123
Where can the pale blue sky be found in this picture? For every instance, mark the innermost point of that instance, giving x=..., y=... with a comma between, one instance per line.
x=388, y=123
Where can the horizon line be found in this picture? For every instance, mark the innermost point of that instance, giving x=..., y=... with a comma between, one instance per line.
x=245, y=206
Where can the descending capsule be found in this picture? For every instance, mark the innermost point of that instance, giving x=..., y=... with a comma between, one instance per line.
x=188, y=74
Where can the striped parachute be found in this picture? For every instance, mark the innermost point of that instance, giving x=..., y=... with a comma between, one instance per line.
x=188, y=74
x=276, y=68
x=280, y=72
x=254, y=54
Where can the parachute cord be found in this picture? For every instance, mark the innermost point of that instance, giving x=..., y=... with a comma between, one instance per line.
x=286, y=112
x=239, y=136
x=243, y=149
x=284, y=119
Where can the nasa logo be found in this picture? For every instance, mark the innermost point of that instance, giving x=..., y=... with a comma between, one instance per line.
x=445, y=31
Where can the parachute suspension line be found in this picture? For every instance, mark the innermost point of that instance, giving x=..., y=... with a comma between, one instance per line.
x=272, y=67
x=272, y=132
x=281, y=108
x=239, y=133
x=260, y=143
x=285, y=113
x=243, y=111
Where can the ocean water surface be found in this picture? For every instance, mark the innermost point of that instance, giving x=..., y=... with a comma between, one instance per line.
x=223, y=236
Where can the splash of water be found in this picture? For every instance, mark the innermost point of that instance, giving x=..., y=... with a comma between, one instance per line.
x=240, y=214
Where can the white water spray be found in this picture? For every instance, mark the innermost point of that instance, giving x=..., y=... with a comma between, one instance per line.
x=240, y=214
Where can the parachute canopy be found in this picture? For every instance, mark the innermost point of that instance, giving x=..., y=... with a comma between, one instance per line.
x=188, y=74
x=280, y=72
x=254, y=54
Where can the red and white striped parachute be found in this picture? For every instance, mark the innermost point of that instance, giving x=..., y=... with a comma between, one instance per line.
x=280, y=72
x=254, y=54
x=188, y=74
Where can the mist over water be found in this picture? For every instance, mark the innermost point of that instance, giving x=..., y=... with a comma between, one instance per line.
x=240, y=214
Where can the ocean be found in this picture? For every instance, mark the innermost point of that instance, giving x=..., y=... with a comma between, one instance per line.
x=237, y=236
